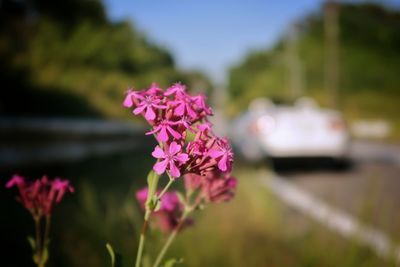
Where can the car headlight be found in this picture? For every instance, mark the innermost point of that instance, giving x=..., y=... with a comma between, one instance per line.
x=265, y=124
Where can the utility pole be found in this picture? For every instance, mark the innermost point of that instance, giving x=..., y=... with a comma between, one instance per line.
x=293, y=63
x=331, y=71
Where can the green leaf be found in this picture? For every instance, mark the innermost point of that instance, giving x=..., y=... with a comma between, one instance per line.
x=172, y=262
x=32, y=242
x=45, y=257
x=116, y=259
x=152, y=183
x=112, y=254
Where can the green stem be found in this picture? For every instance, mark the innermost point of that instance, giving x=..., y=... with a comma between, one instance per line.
x=142, y=238
x=38, y=241
x=45, y=240
x=171, y=238
x=46, y=231
x=171, y=181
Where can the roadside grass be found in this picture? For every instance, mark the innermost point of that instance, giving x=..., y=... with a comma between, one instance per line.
x=255, y=229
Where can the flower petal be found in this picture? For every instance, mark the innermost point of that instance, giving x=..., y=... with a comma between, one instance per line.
x=173, y=170
x=158, y=153
x=128, y=100
x=139, y=109
x=160, y=167
x=182, y=158
x=180, y=110
x=174, y=133
x=215, y=153
x=162, y=135
x=150, y=115
x=222, y=165
x=174, y=148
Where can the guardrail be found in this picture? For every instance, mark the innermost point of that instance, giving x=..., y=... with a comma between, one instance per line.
x=32, y=141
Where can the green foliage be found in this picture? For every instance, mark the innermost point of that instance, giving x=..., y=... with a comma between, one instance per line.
x=73, y=49
x=152, y=202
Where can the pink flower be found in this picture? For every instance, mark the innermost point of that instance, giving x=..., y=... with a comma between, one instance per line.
x=186, y=123
x=15, y=180
x=61, y=187
x=164, y=130
x=148, y=103
x=170, y=159
x=222, y=152
x=200, y=101
x=177, y=89
x=40, y=196
x=220, y=187
x=128, y=101
x=184, y=106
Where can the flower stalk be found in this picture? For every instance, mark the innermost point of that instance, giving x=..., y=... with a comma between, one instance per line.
x=142, y=238
x=40, y=197
x=203, y=162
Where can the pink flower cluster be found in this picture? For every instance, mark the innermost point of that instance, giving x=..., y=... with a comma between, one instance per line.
x=40, y=196
x=174, y=113
x=186, y=147
x=167, y=217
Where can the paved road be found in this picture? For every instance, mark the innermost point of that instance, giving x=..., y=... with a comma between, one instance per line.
x=369, y=189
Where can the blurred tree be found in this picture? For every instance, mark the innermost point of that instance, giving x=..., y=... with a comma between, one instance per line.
x=369, y=63
x=69, y=51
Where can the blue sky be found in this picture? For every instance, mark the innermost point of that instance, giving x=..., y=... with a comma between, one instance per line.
x=211, y=35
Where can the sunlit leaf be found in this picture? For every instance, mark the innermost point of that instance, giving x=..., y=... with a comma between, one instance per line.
x=116, y=259
x=172, y=262
x=112, y=254
x=152, y=183
x=32, y=242
x=45, y=257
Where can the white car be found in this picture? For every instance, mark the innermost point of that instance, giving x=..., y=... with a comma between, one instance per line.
x=301, y=130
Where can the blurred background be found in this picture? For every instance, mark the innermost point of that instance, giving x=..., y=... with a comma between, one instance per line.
x=308, y=91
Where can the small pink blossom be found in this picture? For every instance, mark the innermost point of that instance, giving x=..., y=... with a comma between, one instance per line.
x=16, y=180
x=220, y=187
x=165, y=130
x=128, y=101
x=200, y=101
x=148, y=104
x=61, y=187
x=222, y=152
x=184, y=106
x=186, y=123
x=177, y=88
x=170, y=159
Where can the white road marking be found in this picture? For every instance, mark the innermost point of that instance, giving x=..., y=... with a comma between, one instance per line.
x=335, y=219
